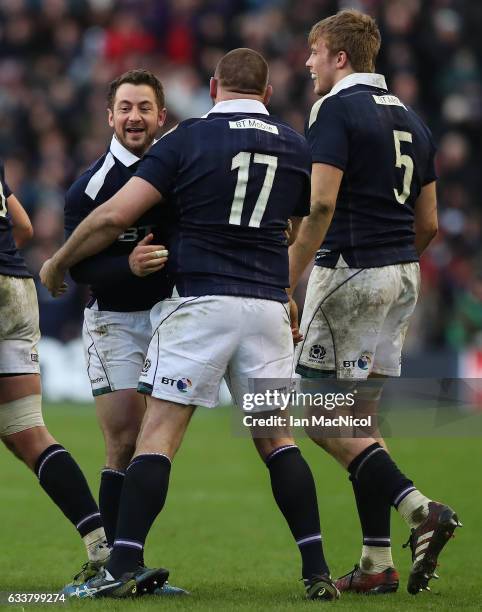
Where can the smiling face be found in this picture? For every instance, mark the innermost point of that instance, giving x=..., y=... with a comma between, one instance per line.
x=324, y=67
x=135, y=117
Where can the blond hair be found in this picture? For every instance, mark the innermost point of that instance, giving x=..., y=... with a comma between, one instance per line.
x=353, y=32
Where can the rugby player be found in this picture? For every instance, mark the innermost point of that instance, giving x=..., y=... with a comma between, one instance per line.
x=235, y=177
x=373, y=211
x=126, y=280
x=22, y=428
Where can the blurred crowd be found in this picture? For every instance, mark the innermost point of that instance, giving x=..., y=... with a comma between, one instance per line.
x=57, y=57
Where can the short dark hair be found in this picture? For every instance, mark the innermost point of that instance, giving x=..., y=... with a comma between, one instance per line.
x=243, y=71
x=137, y=77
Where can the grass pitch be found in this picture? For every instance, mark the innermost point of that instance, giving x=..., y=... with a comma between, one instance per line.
x=221, y=534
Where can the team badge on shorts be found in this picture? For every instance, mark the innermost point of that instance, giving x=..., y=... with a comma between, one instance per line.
x=317, y=352
x=146, y=366
x=183, y=385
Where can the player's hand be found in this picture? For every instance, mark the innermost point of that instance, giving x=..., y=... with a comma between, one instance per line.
x=295, y=329
x=147, y=258
x=52, y=277
x=288, y=230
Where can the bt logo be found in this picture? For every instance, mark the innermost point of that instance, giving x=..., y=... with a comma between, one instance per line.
x=183, y=385
x=134, y=234
x=363, y=362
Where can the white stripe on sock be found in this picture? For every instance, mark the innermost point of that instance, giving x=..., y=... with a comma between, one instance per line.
x=87, y=518
x=368, y=539
x=309, y=539
x=403, y=494
x=129, y=543
x=375, y=450
x=112, y=471
x=58, y=450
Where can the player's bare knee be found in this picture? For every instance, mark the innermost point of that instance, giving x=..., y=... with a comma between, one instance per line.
x=266, y=446
x=12, y=447
x=324, y=442
x=119, y=452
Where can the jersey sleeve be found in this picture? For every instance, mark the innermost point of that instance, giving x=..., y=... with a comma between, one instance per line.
x=327, y=133
x=302, y=208
x=75, y=209
x=430, y=172
x=102, y=268
x=160, y=164
x=6, y=189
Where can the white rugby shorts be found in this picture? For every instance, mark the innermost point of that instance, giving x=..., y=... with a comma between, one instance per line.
x=355, y=320
x=115, y=345
x=19, y=326
x=199, y=340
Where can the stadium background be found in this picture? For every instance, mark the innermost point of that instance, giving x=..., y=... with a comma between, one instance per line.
x=56, y=58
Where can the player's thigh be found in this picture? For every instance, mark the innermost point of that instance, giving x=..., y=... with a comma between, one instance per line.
x=120, y=414
x=263, y=360
x=18, y=386
x=388, y=352
x=344, y=313
x=19, y=326
x=193, y=340
x=163, y=427
x=115, y=345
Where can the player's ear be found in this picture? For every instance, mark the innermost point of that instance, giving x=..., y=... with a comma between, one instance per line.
x=267, y=95
x=110, y=117
x=213, y=88
x=162, y=117
x=342, y=59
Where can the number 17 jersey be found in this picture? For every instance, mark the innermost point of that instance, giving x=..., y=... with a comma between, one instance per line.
x=235, y=177
x=386, y=154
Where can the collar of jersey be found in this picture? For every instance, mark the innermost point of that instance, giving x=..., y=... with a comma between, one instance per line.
x=239, y=106
x=356, y=78
x=122, y=154
x=359, y=78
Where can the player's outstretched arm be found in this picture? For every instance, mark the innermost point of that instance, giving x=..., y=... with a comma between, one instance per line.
x=325, y=184
x=21, y=226
x=426, y=222
x=98, y=230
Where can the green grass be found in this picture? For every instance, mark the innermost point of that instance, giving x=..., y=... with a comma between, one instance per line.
x=221, y=533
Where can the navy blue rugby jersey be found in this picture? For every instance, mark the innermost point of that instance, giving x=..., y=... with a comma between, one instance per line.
x=234, y=176
x=111, y=281
x=387, y=154
x=11, y=262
